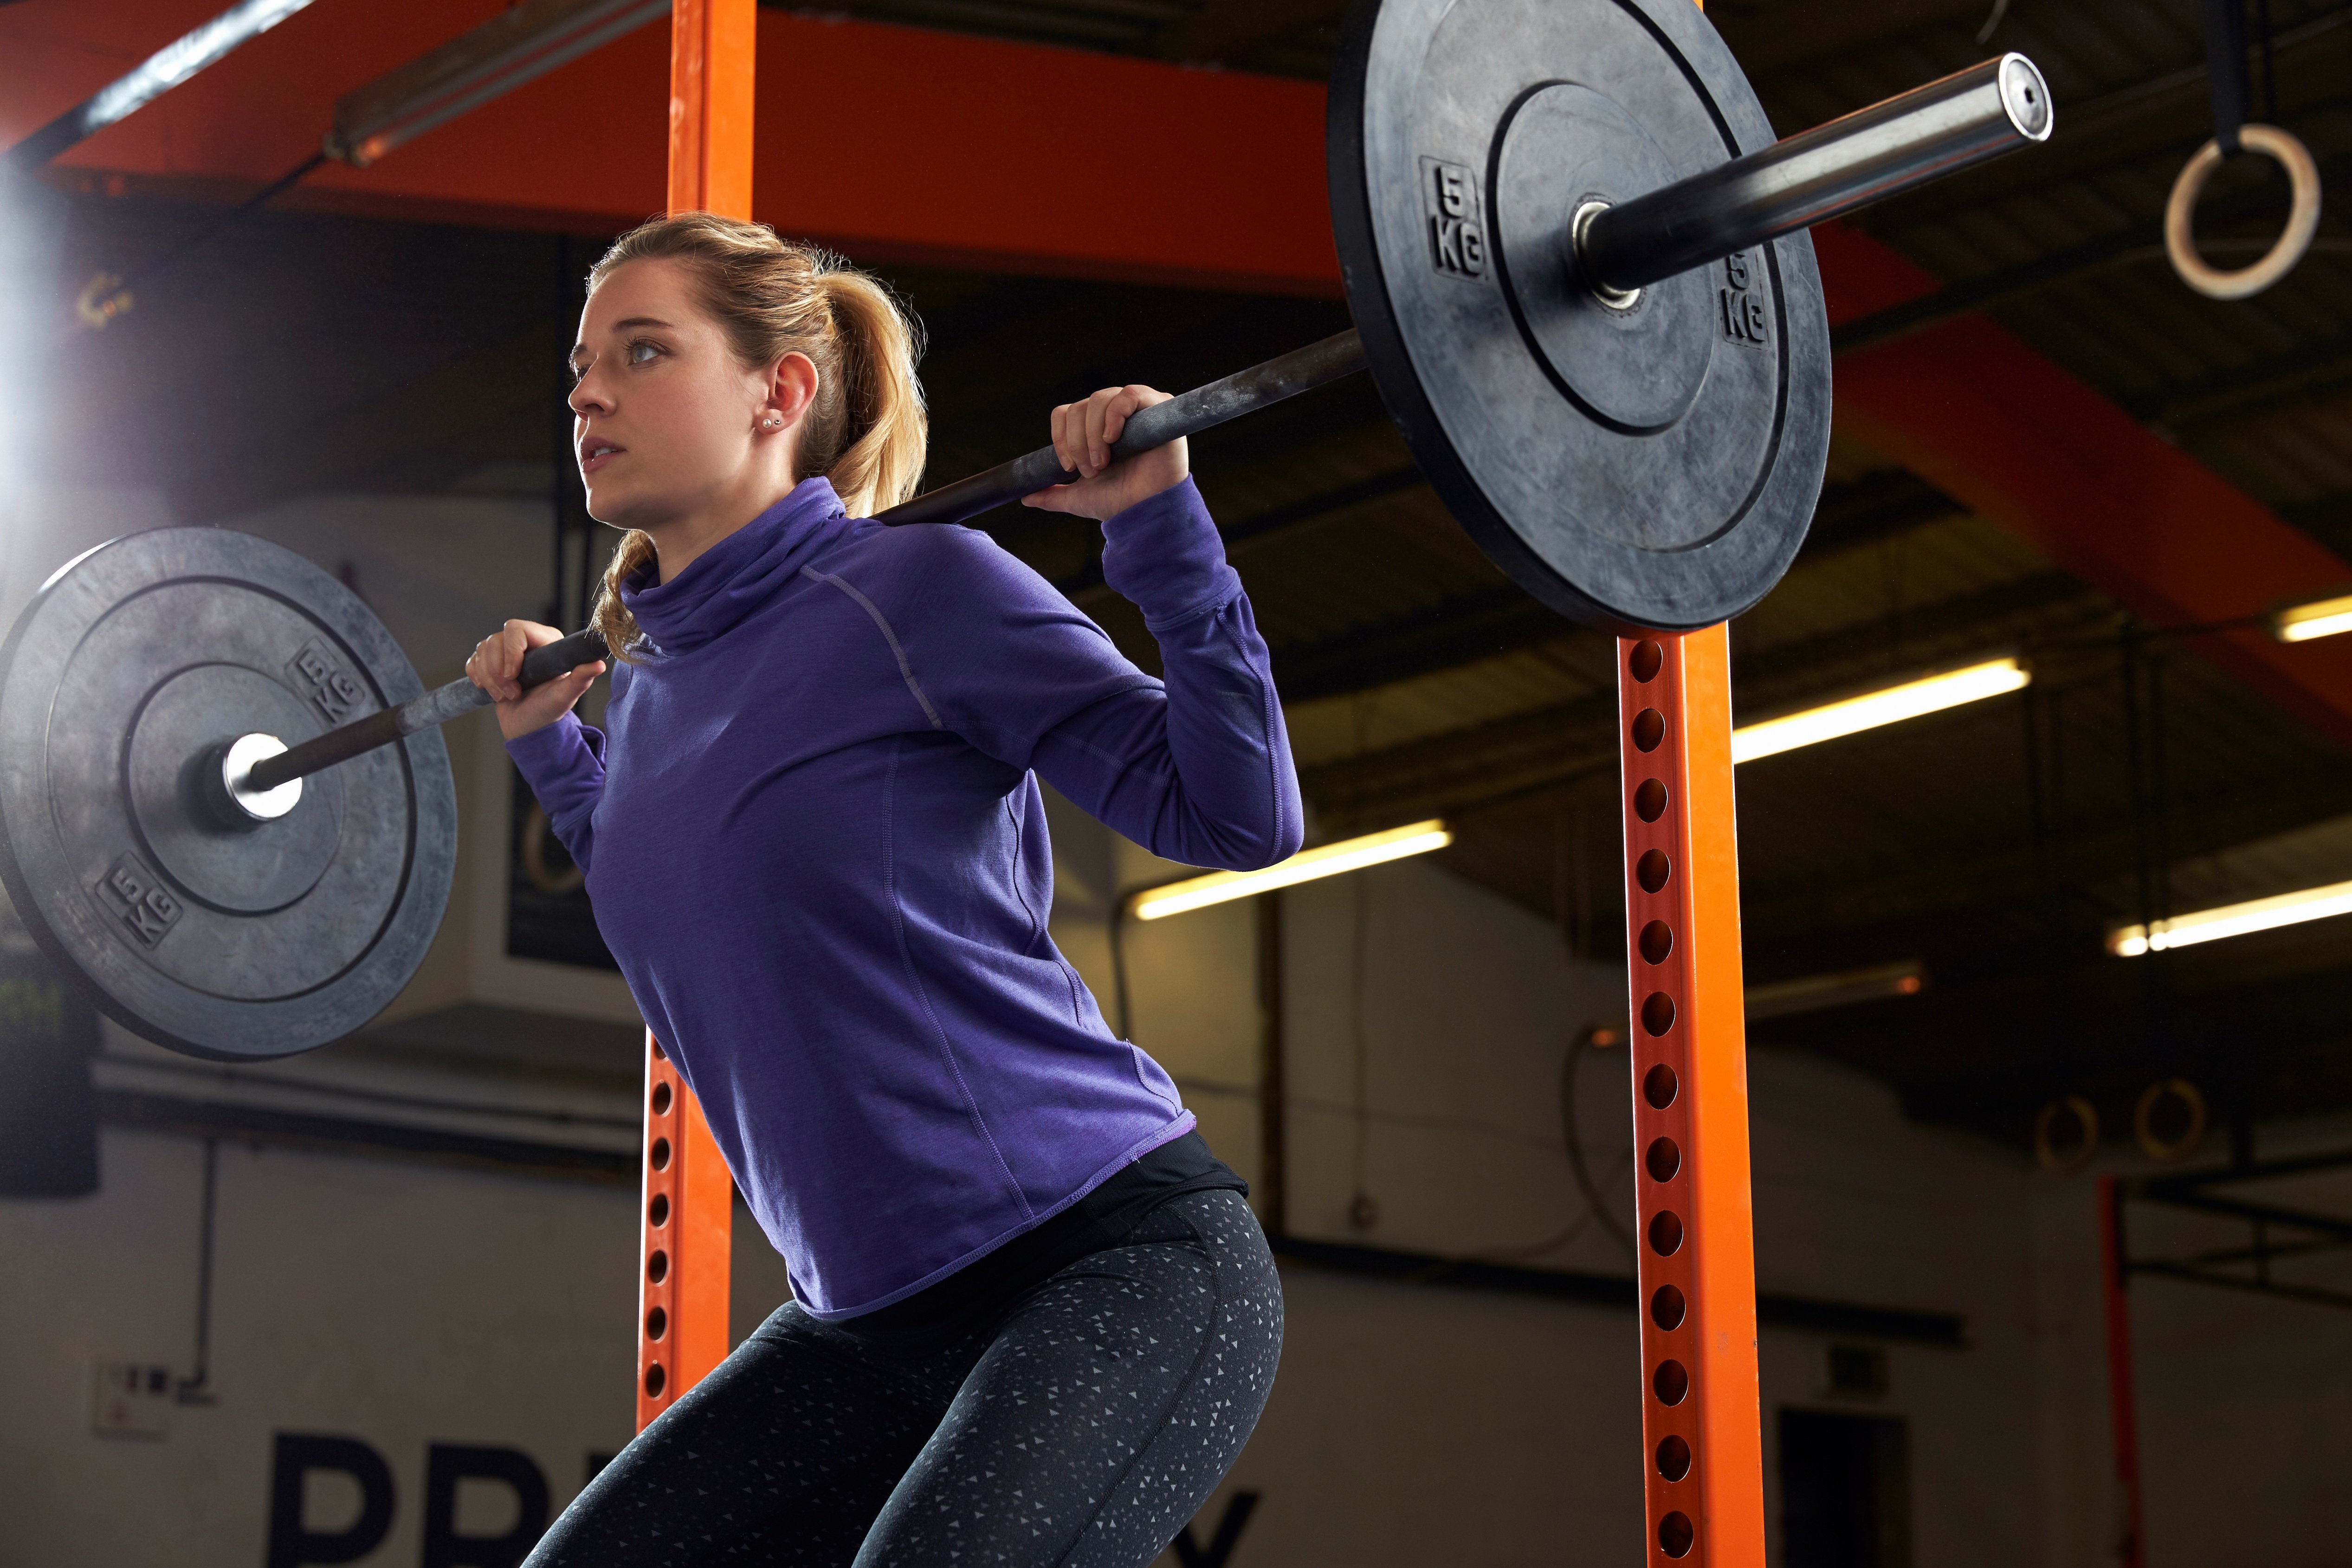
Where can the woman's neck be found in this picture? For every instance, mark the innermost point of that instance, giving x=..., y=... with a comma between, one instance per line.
x=685, y=539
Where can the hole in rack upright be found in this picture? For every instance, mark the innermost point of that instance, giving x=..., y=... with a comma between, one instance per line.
x=1667, y=1307
x=1662, y=1159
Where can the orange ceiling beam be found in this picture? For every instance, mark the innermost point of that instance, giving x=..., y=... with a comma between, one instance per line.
x=1973, y=408
x=888, y=142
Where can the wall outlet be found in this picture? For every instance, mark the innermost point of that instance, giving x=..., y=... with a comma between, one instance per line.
x=130, y=1399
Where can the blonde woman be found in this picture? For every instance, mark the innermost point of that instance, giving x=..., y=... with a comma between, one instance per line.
x=1034, y=1318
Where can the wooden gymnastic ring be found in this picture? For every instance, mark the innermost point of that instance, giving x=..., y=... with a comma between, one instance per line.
x=2144, y=1114
x=536, y=829
x=2086, y=1115
x=2302, y=222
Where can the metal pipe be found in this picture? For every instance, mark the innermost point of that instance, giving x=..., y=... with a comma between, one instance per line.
x=438, y=706
x=1202, y=408
x=162, y=71
x=1889, y=148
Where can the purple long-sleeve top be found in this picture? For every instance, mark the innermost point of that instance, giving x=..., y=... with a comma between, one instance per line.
x=814, y=842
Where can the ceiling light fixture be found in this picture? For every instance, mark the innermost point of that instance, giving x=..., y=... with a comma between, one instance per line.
x=2233, y=920
x=1329, y=860
x=1887, y=705
x=2320, y=618
x=1814, y=992
x=1781, y=998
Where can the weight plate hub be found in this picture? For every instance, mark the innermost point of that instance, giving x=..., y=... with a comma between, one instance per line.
x=119, y=686
x=1650, y=462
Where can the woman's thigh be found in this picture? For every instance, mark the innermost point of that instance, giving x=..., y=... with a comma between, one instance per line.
x=783, y=1454
x=1108, y=1407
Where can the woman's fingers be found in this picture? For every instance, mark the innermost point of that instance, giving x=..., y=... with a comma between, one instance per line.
x=496, y=666
x=1082, y=435
x=1117, y=405
x=1097, y=446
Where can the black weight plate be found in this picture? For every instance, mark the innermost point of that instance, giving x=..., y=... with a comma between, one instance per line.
x=229, y=943
x=1652, y=467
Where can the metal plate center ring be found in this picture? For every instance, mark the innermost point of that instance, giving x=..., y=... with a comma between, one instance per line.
x=1637, y=366
x=176, y=738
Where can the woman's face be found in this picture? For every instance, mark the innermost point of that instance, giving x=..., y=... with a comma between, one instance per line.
x=666, y=423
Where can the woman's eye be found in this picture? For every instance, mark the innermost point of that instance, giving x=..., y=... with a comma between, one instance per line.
x=643, y=353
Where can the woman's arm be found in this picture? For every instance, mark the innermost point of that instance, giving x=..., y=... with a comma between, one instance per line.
x=1198, y=770
x=561, y=760
x=1195, y=768
x=563, y=764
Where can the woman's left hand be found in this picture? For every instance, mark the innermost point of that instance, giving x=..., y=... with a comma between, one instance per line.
x=1083, y=432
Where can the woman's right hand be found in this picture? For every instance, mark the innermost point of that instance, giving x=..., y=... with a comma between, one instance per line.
x=497, y=668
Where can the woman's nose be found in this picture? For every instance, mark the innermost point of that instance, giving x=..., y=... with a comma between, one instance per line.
x=587, y=393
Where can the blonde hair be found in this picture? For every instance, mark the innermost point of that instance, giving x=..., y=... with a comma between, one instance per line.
x=866, y=432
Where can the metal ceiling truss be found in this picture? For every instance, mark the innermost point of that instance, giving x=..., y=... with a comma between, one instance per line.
x=2276, y=1233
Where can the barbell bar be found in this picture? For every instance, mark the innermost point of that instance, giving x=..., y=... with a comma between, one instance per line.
x=1898, y=145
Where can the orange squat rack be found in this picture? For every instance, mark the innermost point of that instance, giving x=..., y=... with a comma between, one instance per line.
x=1701, y=1424
x=685, y=1262
x=685, y=1256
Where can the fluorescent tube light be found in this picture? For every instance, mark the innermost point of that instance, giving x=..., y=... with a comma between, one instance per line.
x=1782, y=998
x=2320, y=618
x=1814, y=992
x=1888, y=705
x=519, y=43
x=1329, y=860
x=2233, y=920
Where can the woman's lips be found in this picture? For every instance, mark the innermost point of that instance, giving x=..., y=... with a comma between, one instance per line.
x=594, y=454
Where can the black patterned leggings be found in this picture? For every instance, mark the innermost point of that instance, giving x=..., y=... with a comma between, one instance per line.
x=1083, y=1423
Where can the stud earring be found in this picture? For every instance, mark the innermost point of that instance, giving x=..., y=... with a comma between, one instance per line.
x=772, y=421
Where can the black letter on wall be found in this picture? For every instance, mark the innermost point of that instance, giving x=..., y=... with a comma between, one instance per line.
x=446, y=1464
x=291, y=1545
x=1220, y=1546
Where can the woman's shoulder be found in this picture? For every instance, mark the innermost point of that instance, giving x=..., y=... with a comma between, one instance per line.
x=920, y=559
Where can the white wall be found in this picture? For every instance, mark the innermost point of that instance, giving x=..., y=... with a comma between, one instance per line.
x=397, y=1303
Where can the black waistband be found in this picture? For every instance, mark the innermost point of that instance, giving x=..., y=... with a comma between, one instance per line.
x=1096, y=1221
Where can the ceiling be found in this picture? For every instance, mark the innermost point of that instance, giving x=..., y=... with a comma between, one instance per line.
x=292, y=351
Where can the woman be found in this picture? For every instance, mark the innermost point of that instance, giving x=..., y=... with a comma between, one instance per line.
x=1035, y=1320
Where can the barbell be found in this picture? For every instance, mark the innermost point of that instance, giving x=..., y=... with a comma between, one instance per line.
x=1576, y=261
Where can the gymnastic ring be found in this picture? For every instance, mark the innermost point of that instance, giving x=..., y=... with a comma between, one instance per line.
x=536, y=829
x=2302, y=222
x=102, y=299
x=2086, y=1115
x=2144, y=1117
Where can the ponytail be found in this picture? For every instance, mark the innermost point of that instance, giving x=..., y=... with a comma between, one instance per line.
x=867, y=432
x=887, y=428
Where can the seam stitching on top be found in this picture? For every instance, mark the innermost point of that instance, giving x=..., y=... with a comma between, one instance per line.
x=906, y=957
x=1269, y=716
x=882, y=623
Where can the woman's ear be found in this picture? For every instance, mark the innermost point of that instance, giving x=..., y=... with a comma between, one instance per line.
x=791, y=392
